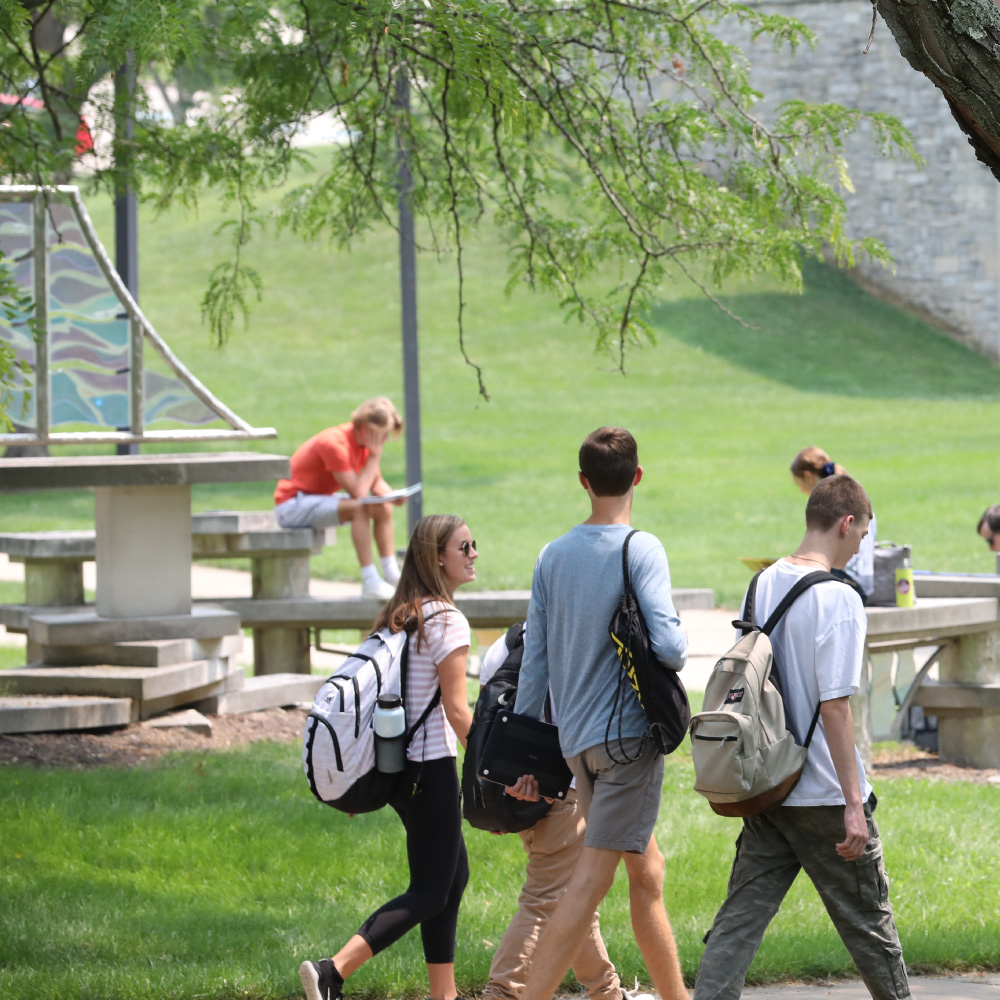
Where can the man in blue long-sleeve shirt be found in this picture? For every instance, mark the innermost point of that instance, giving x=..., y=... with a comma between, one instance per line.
x=576, y=586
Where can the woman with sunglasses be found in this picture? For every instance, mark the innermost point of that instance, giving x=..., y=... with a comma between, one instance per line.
x=440, y=558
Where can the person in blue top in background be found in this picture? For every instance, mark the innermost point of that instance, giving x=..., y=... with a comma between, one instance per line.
x=576, y=587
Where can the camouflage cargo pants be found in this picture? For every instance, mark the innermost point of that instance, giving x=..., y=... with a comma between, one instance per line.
x=770, y=851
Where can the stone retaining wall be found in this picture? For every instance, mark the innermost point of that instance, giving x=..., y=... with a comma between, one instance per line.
x=941, y=222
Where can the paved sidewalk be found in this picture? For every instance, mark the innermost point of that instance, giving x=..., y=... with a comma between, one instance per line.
x=975, y=986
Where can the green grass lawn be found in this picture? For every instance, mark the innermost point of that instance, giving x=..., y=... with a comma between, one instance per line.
x=212, y=875
x=719, y=409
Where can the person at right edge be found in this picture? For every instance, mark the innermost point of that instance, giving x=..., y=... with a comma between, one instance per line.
x=825, y=826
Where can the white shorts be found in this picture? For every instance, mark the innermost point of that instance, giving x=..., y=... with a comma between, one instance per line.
x=310, y=510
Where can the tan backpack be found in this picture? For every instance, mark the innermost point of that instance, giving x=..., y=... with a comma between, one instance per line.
x=745, y=759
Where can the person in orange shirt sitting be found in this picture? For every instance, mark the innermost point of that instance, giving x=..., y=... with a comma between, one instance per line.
x=329, y=475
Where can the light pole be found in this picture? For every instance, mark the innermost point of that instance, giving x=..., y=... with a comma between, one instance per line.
x=126, y=210
x=408, y=290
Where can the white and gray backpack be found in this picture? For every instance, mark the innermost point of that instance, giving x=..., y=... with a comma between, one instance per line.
x=338, y=744
x=745, y=759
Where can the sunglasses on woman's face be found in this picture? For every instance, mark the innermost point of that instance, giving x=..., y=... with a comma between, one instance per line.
x=467, y=547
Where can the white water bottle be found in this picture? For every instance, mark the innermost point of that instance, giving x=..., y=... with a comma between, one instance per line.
x=390, y=734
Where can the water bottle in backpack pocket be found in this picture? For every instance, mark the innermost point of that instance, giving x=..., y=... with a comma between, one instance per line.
x=390, y=734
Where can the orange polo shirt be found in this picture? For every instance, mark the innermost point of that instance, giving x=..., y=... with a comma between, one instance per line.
x=315, y=464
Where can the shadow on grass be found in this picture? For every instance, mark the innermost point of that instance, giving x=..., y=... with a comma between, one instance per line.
x=834, y=339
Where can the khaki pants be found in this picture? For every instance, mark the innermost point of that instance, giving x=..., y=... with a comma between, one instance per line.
x=552, y=845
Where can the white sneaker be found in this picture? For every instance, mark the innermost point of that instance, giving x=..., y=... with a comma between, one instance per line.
x=634, y=994
x=390, y=570
x=379, y=590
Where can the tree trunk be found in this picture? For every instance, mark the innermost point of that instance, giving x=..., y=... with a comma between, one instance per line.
x=956, y=45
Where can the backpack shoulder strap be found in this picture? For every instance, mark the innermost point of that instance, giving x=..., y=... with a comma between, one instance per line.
x=789, y=599
x=628, y=583
x=745, y=624
x=403, y=664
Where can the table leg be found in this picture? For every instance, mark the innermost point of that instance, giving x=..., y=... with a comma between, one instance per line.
x=143, y=550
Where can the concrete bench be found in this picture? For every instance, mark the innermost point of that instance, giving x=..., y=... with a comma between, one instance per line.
x=962, y=635
x=53, y=560
x=291, y=621
x=279, y=611
x=279, y=569
x=53, y=563
x=279, y=565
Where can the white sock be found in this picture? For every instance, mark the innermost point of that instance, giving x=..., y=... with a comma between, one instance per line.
x=390, y=569
x=369, y=574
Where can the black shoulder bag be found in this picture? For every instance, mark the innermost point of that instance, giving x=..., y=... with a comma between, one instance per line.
x=658, y=688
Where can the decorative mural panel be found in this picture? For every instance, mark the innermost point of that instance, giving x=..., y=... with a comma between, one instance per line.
x=100, y=362
x=89, y=362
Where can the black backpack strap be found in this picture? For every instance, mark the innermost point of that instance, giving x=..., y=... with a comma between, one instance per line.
x=745, y=624
x=424, y=716
x=811, y=579
x=625, y=577
x=812, y=727
x=619, y=702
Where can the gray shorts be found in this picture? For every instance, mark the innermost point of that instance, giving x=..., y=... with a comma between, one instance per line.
x=310, y=510
x=620, y=801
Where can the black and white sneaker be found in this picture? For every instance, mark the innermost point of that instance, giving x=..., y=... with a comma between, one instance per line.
x=321, y=980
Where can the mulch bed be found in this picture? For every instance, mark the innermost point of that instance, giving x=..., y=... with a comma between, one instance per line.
x=132, y=746
x=909, y=762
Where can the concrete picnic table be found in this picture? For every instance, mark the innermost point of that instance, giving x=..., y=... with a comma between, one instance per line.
x=142, y=517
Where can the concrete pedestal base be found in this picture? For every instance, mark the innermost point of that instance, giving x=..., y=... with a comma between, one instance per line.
x=143, y=550
x=969, y=734
x=53, y=583
x=281, y=650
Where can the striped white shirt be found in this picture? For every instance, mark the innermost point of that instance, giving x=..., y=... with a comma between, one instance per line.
x=445, y=633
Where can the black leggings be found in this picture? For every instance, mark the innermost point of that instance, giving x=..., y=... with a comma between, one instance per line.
x=428, y=802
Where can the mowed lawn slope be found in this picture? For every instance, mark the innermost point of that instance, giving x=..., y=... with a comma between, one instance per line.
x=719, y=409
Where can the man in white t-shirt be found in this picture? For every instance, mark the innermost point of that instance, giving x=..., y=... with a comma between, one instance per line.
x=825, y=826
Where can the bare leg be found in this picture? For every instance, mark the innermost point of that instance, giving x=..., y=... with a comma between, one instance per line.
x=357, y=514
x=441, y=977
x=595, y=871
x=352, y=956
x=650, y=924
x=381, y=514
